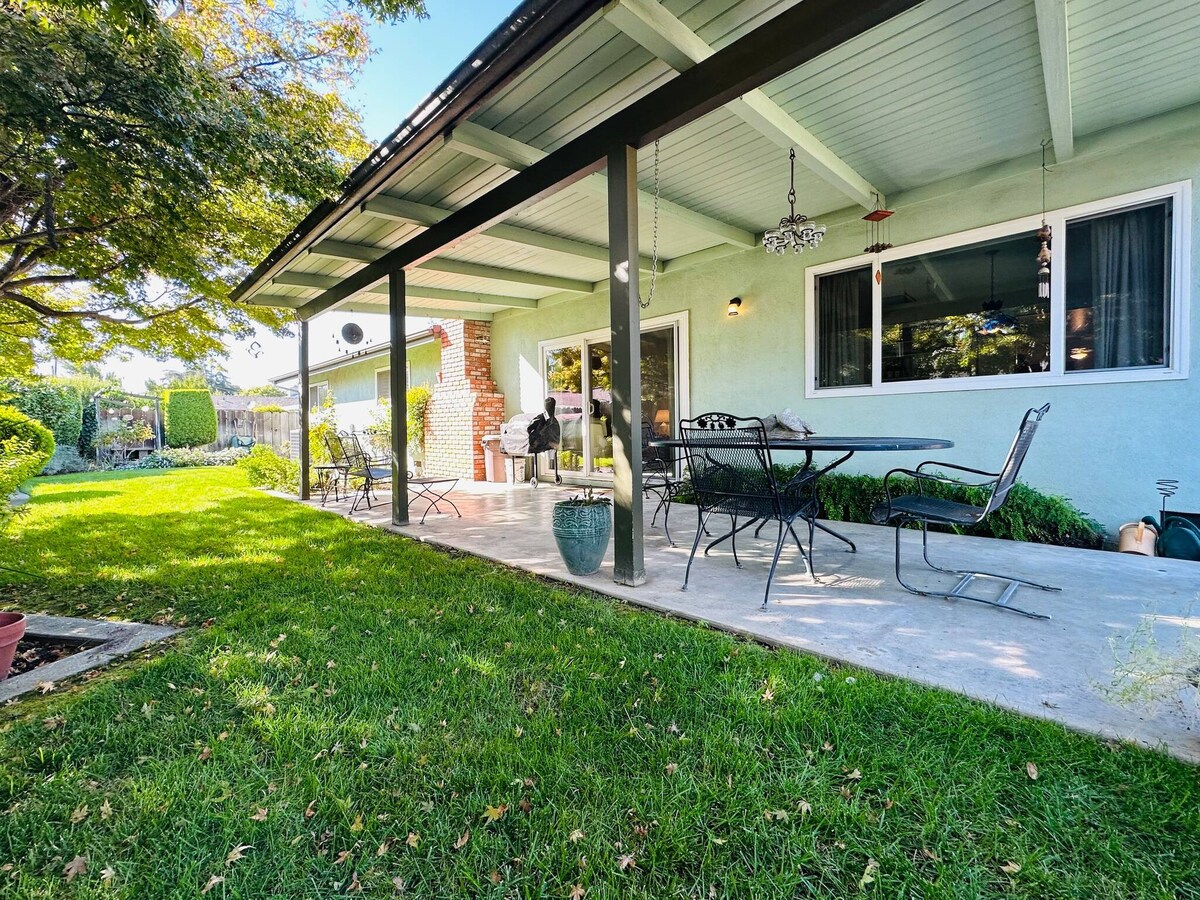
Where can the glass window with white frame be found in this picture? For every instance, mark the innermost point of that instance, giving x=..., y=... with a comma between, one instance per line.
x=968, y=310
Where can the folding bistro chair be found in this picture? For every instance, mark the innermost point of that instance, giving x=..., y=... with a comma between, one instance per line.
x=923, y=509
x=729, y=461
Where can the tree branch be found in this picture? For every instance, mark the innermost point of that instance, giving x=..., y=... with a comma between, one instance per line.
x=91, y=315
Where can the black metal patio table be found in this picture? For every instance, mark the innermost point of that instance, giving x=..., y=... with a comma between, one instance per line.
x=433, y=489
x=845, y=445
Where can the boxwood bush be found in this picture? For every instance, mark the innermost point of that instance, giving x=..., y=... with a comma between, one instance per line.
x=57, y=406
x=25, y=447
x=190, y=417
x=1028, y=515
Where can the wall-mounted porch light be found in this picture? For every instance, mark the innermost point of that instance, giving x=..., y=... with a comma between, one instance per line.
x=735, y=306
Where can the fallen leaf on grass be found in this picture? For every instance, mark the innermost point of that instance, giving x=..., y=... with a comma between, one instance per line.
x=355, y=885
x=108, y=873
x=462, y=840
x=672, y=768
x=212, y=882
x=310, y=811
x=205, y=754
x=105, y=810
x=868, y=875
x=357, y=824
x=494, y=813
x=626, y=862
x=576, y=836
x=342, y=856
x=1031, y=770
x=260, y=814
x=1010, y=868
x=776, y=815
x=80, y=813
x=767, y=695
x=413, y=839
x=45, y=687
x=805, y=807
x=399, y=884
x=855, y=775
x=525, y=806
x=238, y=852
x=384, y=848
x=577, y=893
x=77, y=866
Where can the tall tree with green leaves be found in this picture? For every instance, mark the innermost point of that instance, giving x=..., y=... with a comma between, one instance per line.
x=149, y=154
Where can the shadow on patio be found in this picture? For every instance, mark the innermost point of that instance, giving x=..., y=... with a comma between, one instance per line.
x=1056, y=670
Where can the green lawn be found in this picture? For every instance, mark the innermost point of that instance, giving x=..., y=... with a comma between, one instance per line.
x=352, y=705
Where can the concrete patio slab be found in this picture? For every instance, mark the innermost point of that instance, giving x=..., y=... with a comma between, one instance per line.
x=1057, y=670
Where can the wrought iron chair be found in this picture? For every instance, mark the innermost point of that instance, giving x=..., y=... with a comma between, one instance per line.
x=659, y=478
x=371, y=472
x=729, y=461
x=337, y=473
x=922, y=509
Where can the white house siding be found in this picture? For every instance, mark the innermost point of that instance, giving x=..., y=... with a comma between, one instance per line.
x=1103, y=445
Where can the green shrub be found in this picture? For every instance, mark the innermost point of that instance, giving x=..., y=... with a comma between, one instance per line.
x=322, y=422
x=1028, y=515
x=266, y=468
x=190, y=417
x=25, y=447
x=57, y=406
x=89, y=429
x=65, y=461
x=188, y=458
x=418, y=399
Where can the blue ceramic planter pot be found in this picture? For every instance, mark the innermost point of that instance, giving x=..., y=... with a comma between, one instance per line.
x=581, y=532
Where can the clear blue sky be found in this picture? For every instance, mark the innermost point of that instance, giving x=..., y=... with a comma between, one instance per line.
x=411, y=59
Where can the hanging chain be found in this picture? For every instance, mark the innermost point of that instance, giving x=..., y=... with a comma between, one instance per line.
x=654, y=243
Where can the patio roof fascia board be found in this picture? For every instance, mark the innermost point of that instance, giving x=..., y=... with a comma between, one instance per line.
x=531, y=30
x=369, y=253
x=489, y=146
x=417, y=339
x=794, y=37
x=654, y=27
x=1054, y=44
x=410, y=212
x=420, y=312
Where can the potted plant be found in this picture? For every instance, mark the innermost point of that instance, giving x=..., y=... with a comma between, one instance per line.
x=12, y=629
x=582, y=526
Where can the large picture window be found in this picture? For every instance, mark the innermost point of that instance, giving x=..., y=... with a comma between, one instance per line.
x=966, y=311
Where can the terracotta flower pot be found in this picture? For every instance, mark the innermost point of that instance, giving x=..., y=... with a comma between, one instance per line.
x=12, y=629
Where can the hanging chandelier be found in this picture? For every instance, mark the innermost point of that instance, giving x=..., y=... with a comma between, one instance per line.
x=794, y=230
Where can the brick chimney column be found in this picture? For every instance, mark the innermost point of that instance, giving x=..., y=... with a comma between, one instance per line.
x=466, y=404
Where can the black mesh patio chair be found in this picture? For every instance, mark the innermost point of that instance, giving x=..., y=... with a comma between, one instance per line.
x=924, y=510
x=729, y=462
x=659, y=478
x=369, y=472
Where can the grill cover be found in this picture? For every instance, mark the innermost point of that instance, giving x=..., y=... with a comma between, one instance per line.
x=525, y=434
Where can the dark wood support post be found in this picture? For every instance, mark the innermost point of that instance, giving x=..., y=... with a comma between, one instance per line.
x=625, y=315
x=304, y=448
x=398, y=361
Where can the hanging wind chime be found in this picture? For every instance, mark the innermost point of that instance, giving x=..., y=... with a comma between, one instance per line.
x=878, y=233
x=1044, y=237
x=795, y=230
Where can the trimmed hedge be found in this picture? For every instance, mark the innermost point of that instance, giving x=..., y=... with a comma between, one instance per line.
x=57, y=406
x=190, y=417
x=25, y=447
x=89, y=431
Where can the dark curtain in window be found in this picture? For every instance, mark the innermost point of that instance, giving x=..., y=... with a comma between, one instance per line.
x=1128, y=275
x=844, y=329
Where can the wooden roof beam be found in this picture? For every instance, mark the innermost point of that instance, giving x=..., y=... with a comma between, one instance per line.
x=1056, y=72
x=316, y=282
x=653, y=26
x=369, y=253
x=398, y=209
x=475, y=140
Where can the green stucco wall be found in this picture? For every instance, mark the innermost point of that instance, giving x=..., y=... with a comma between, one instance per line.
x=353, y=385
x=1102, y=445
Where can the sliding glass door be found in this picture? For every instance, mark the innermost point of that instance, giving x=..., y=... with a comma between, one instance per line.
x=578, y=375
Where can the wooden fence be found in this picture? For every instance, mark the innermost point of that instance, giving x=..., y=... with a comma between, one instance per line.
x=274, y=429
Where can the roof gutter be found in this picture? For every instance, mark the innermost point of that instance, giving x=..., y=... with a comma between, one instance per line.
x=529, y=31
x=424, y=336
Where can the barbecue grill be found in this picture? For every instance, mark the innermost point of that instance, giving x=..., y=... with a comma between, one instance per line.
x=525, y=435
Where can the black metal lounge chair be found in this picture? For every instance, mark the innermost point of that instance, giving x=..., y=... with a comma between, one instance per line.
x=729, y=461
x=923, y=509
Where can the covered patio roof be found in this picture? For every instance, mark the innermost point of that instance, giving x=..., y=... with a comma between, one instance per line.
x=944, y=88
